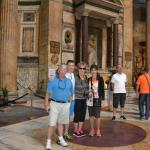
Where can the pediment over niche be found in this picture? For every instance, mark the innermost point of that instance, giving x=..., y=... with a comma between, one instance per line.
x=118, y=2
x=112, y=4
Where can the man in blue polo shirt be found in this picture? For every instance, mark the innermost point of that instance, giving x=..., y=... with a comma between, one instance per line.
x=60, y=89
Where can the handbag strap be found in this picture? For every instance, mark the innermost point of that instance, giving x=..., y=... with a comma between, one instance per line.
x=91, y=86
x=147, y=81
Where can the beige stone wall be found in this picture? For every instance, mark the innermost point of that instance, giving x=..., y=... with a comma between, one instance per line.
x=128, y=39
x=55, y=30
x=50, y=30
x=27, y=72
x=69, y=17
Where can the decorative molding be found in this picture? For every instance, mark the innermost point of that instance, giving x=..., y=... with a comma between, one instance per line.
x=28, y=39
x=68, y=4
x=118, y=20
x=21, y=40
x=29, y=3
x=99, y=5
x=54, y=59
x=78, y=15
x=28, y=17
x=108, y=23
x=24, y=25
x=54, y=47
x=27, y=61
x=85, y=13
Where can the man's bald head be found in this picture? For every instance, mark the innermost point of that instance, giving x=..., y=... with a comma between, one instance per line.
x=119, y=68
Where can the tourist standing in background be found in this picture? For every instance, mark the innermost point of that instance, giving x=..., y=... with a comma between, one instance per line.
x=119, y=81
x=143, y=88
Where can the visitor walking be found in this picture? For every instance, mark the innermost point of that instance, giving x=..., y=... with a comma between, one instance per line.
x=143, y=88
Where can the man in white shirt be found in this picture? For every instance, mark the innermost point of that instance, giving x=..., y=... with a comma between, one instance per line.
x=119, y=81
x=70, y=75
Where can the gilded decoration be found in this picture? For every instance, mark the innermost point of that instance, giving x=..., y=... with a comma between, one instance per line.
x=54, y=59
x=128, y=56
x=54, y=47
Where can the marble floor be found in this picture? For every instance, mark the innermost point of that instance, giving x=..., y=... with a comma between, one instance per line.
x=31, y=135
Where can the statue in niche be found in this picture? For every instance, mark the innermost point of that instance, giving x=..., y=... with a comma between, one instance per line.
x=68, y=38
x=143, y=56
x=92, y=46
x=140, y=58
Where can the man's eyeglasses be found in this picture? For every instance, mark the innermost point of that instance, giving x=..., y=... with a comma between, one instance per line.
x=82, y=68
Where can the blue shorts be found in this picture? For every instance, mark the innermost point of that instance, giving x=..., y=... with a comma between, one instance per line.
x=72, y=108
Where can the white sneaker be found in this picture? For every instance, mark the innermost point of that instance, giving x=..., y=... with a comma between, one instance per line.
x=48, y=146
x=62, y=142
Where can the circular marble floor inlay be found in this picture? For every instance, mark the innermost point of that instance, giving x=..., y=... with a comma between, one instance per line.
x=114, y=134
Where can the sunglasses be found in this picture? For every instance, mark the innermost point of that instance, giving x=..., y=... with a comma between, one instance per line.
x=61, y=85
x=82, y=68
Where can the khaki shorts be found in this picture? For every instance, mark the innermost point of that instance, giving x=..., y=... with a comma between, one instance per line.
x=59, y=113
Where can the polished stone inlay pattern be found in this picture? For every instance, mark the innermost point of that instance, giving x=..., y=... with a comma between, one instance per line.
x=114, y=134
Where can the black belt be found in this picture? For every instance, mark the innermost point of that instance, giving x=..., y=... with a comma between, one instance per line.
x=59, y=101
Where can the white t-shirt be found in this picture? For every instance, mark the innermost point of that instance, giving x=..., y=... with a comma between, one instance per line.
x=119, y=81
x=72, y=78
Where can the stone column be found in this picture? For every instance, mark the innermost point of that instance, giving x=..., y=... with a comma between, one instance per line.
x=104, y=47
x=115, y=44
x=78, y=41
x=8, y=44
x=128, y=39
x=109, y=45
x=148, y=36
x=84, y=37
x=50, y=37
x=120, y=43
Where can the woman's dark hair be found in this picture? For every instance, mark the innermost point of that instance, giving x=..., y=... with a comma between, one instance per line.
x=69, y=61
x=93, y=66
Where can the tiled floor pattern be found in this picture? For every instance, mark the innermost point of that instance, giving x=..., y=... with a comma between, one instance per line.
x=31, y=135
